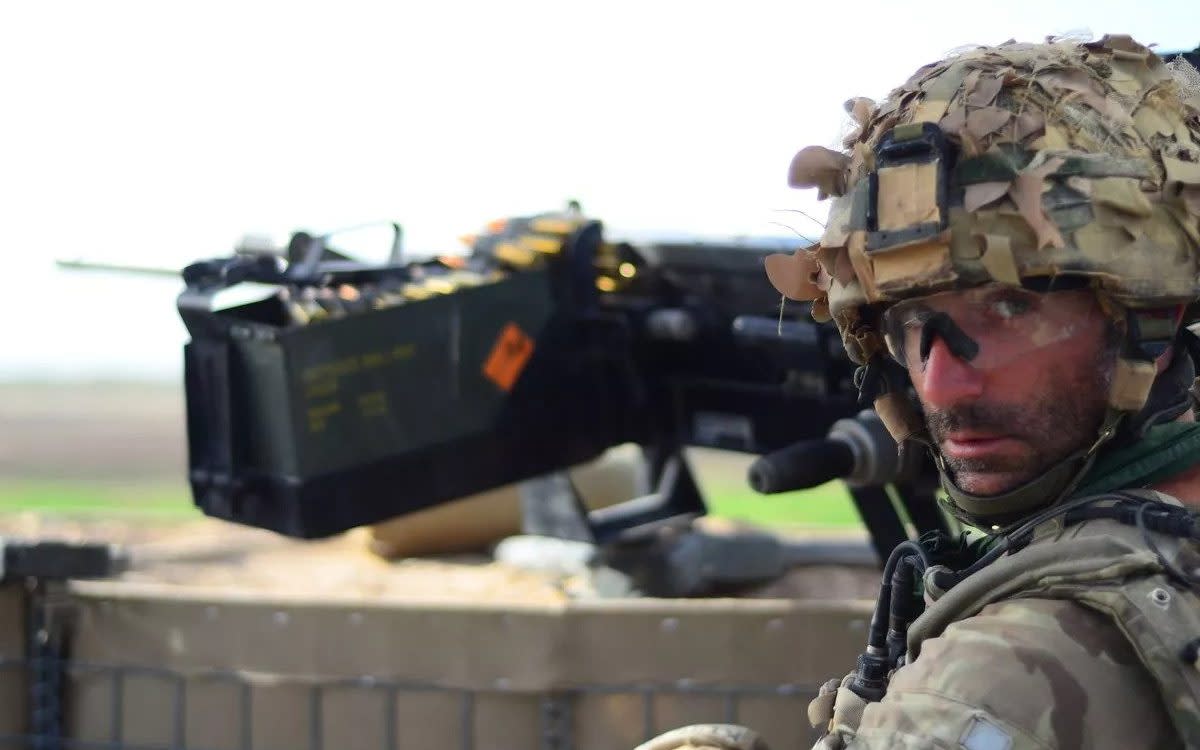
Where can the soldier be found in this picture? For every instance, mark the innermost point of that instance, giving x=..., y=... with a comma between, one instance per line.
x=1013, y=241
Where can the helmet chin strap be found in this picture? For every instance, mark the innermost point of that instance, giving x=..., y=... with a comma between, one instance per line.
x=1048, y=488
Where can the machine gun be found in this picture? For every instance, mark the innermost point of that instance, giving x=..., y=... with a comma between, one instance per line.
x=359, y=392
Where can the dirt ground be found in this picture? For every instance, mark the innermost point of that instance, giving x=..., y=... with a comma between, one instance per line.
x=105, y=431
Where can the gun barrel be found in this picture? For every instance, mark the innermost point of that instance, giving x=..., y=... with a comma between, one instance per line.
x=87, y=265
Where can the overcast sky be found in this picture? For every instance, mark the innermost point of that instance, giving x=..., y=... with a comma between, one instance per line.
x=158, y=133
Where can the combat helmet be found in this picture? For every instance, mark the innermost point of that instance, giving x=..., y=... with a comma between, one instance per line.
x=1031, y=165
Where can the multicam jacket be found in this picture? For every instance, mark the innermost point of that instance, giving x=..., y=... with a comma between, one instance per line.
x=1080, y=640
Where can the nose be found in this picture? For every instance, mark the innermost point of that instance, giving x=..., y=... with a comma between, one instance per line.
x=946, y=380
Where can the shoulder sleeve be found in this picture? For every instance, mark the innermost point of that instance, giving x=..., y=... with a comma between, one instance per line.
x=1027, y=673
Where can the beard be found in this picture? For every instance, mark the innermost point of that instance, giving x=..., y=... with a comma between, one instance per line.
x=1063, y=418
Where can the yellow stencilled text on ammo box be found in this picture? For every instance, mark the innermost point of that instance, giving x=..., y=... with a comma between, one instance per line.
x=319, y=414
x=373, y=404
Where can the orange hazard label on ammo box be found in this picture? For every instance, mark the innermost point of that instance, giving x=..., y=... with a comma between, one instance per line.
x=509, y=356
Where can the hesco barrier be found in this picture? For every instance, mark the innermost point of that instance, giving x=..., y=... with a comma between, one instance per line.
x=128, y=666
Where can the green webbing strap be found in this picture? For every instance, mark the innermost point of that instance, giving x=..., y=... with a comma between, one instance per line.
x=1166, y=450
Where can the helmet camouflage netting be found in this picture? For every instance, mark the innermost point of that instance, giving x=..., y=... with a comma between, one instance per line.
x=1006, y=164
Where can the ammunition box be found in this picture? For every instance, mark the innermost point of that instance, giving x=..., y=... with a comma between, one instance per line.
x=313, y=429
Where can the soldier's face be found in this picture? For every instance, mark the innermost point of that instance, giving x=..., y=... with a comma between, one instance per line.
x=1000, y=421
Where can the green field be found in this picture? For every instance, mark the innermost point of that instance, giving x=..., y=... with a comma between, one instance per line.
x=126, y=500
x=827, y=506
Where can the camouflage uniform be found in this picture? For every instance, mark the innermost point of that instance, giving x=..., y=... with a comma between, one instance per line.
x=1077, y=648
x=1044, y=673
x=1069, y=159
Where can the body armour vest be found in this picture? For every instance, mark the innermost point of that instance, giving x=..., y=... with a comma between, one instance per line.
x=1107, y=567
